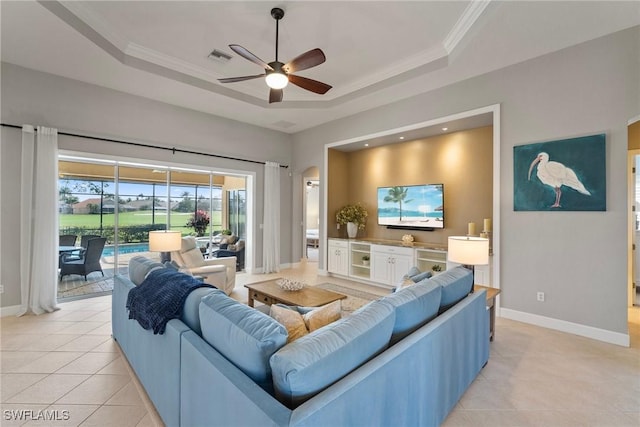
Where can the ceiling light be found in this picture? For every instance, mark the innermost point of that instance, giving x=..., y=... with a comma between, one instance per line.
x=276, y=80
x=366, y=145
x=444, y=129
x=402, y=137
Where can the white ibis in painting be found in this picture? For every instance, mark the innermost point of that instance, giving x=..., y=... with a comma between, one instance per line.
x=555, y=174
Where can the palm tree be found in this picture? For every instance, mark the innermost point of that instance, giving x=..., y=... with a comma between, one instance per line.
x=397, y=195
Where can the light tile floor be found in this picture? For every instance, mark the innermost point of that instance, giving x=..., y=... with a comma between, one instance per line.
x=66, y=364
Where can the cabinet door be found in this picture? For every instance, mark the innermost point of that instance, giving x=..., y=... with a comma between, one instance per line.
x=380, y=267
x=401, y=265
x=338, y=258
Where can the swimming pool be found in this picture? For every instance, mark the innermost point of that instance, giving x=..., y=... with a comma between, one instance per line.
x=126, y=249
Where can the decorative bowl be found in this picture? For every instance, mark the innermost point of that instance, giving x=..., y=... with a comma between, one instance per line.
x=290, y=284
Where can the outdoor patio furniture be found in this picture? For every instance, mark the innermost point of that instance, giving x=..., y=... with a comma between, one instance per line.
x=76, y=255
x=88, y=262
x=236, y=250
x=67, y=240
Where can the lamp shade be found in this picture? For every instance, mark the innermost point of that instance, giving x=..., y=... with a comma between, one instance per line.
x=276, y=80
x=165, y=241
x=468, y=250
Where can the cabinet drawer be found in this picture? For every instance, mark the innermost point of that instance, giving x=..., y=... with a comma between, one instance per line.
x=392, y=250
x=338, y=243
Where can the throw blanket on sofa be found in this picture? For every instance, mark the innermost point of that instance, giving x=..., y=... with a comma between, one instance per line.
x=160, y=297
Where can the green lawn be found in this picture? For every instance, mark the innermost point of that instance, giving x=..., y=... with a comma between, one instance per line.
x=178, y=219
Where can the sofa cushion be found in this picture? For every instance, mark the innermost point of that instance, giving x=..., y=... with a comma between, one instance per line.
x=243, y=335
x=140, y=267
x=309, y=365
x=415, y=305
x=191, y=309
x=456, y=284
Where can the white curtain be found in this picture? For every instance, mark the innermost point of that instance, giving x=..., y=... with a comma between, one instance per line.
x=39, y=220
x=271, y=223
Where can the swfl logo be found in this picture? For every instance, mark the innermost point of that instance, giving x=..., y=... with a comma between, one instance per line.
x=36, y=415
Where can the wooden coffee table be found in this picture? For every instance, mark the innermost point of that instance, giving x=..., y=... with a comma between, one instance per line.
x=268, y=292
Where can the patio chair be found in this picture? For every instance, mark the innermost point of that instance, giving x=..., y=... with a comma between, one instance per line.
x=76, y=255
x=88, y=262
x=67, y=240
x=234, y=250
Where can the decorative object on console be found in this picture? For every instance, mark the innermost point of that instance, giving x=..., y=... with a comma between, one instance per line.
x=407, y=239
x=356, y=215
x=290, y=284
x=365, y=259
x=469, y=251
x=471, y=229
x=165, y=241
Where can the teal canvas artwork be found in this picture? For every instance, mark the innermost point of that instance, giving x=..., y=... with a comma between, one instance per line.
x=561, y=175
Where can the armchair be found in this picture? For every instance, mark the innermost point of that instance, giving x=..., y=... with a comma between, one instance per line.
x=233, y=250
x=219, y=272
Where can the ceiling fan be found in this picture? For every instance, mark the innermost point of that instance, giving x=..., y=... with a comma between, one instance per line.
x=277, y=75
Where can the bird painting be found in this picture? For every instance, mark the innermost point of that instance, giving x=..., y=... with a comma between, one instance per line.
x=556, y=175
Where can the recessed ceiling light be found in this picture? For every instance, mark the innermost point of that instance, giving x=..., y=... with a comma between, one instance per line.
x=402, y=137
x=366, y=145
x=445, y=128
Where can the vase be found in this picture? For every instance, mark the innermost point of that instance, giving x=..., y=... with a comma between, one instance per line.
x=352, y=230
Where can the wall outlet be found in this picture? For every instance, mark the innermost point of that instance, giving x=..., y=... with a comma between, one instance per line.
x=540, y=296
x=338, y=226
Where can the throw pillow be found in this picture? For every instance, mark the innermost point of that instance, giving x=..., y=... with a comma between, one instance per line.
x=299, y=321
x=412, y=272
x=290, y=319
x=419, y=277
x=316, y=319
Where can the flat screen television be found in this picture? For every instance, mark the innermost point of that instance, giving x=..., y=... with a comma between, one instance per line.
x=417, y=207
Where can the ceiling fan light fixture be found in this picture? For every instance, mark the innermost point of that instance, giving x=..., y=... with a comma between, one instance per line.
x=276, y=80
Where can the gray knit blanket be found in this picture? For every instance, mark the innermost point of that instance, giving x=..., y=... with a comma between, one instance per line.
x=160, y=298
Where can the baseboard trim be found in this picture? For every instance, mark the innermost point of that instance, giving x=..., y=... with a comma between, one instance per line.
x=11, y=310
x=569, y=327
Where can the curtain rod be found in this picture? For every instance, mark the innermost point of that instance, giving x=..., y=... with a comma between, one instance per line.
x=174, y=150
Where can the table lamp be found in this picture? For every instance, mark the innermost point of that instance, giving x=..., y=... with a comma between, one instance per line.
x=468, y=251
x=165, y=241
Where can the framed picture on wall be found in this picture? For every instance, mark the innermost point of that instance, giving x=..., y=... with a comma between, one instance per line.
x=561, y=175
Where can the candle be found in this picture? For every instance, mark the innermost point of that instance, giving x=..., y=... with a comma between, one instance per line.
x=487, y=224
x=472, y=229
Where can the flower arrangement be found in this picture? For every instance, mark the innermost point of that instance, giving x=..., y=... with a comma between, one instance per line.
x=199, y=221
x=352, y=213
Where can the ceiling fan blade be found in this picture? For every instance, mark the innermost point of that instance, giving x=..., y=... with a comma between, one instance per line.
x=275, y=95
x=250, y=56
x=306, y=60
x=240, y=79
x=309, y=84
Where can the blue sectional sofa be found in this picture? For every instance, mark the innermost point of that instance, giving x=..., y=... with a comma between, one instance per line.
x=398, y=361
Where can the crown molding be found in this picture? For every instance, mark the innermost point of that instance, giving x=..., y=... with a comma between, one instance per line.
x=464, y=24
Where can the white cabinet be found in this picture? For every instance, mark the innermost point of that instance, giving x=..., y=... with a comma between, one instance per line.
x=426, y=259
x=389, y=263
x=360, y=263
x=338, y=256
x=481, y=273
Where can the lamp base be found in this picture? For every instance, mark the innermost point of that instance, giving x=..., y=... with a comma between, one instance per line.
x=165, y=257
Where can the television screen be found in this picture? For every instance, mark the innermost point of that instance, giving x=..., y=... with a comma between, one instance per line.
x=411, y=206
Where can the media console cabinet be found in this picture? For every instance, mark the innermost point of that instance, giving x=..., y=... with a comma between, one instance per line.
x=389, y=260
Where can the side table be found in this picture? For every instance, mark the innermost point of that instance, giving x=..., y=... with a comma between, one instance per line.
x=492, y=293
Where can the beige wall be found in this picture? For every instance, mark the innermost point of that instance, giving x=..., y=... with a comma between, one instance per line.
x=462, y=161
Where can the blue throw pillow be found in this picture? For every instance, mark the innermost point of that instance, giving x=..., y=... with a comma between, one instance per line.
x=413, y=271
x=245, y=336
x=420, y=277
x=314, y=362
